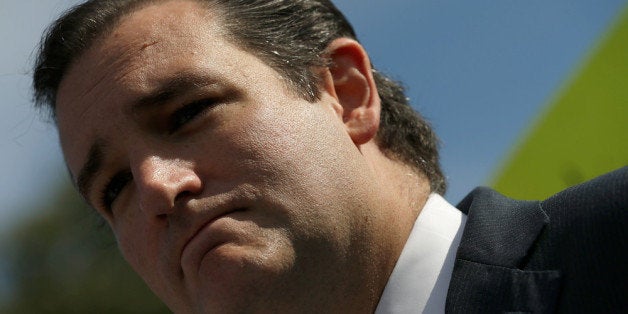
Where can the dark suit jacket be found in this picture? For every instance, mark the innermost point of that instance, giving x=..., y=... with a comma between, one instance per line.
x=567, y=254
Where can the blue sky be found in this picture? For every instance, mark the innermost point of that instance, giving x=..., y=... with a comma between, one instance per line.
x=480, y=70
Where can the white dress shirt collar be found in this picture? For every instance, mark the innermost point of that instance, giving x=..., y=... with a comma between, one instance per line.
x=420, y=279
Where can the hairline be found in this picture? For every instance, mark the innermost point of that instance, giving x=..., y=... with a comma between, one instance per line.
x=218, y=20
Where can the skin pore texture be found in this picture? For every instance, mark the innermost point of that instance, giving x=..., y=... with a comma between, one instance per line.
x=226, y=191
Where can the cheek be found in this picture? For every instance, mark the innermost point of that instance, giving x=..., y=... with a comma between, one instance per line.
x=146, y=261
x=309, y=154
x=290, y=135
x=307, y=161
x=137, y=243
x=132, y=247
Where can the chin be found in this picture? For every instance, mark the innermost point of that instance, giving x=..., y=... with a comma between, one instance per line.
x=234, y=277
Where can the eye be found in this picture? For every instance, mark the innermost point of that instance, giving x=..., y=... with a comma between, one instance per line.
x=114, y=187
x=188, y=112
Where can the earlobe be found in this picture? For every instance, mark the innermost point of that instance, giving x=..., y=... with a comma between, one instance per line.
x=350, y=81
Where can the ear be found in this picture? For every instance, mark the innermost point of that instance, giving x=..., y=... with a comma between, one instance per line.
x=350, y=81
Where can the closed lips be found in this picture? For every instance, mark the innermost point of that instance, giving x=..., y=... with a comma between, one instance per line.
x=208, y=236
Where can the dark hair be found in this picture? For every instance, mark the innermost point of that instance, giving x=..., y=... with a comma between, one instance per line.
x=291, y=36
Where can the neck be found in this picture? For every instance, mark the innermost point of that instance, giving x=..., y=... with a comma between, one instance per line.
x=403, y=191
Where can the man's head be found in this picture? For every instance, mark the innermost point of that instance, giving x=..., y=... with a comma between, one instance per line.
x=237, y=172
x=290, y=36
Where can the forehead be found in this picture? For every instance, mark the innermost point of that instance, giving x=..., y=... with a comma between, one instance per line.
x=149, y=31
x=139, y=54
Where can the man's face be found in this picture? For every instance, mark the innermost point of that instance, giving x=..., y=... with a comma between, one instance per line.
x=224, y=189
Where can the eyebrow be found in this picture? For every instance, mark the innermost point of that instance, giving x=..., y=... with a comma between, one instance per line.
x=92, y=166
x=178, y=85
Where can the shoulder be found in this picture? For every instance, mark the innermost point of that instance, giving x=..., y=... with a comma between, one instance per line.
x=586, y=239
x=579, y=235
x=602, y=200
x=594, y=213
x=605, y=193
x=576, y=240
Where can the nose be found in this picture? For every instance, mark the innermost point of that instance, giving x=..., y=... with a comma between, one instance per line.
x=163, y=183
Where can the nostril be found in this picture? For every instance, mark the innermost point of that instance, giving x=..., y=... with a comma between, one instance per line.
x=182, y=195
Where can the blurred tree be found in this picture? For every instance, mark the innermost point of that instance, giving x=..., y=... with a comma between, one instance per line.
x=584, y=132
x=66, y=261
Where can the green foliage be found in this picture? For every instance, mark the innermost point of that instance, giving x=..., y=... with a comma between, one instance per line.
x=585, y=131
x=66, y=261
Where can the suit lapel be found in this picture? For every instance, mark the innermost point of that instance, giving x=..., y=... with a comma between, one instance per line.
x=489, y=273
